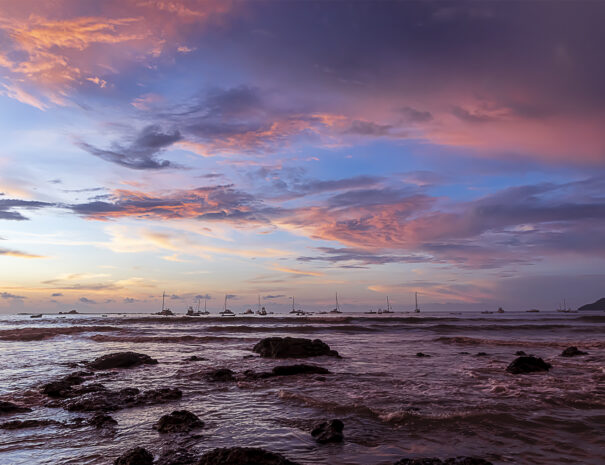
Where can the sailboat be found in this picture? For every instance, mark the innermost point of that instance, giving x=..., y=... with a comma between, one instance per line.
x=388, y=310
x=261, y=310
x=416, y=309
x=337, y=308
x=196, y=312
x=165, y=311
x=226, y=311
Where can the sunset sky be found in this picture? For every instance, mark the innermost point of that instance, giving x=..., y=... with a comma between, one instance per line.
x=301, y=148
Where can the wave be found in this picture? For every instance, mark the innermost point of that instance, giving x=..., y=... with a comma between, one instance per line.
x=466, y=340
x=163, y=339
x=39, y=334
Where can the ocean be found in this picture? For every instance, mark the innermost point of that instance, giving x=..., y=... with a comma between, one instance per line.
x=459, y=400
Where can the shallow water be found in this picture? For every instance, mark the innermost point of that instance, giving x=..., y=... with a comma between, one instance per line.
x=393, y=403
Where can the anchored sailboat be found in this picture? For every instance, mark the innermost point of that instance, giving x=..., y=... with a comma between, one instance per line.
x=226, y=311
x=388, y=310
x=337, y=308
x=165, y=311
x=261, y=310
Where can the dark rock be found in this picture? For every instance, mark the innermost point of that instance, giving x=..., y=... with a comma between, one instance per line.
x=598, y=305
x=328, y=431
x=481, y=354
x=299, y=369
x=450, y=461
x=8, y=407
x=107, y=401
x=320, y=378
x=243, y=456
x=519, y=353
x=195, y=358
x=291, y=347
x=420, y=354
x=177, y=457
x=179, y=421
x=121, y=360
x=101, y=420
x=572, y=352
x=63, y=388
x=464, y=353
x=220, y=375
x=136, y=456
x=527, y=364
x=21, y=424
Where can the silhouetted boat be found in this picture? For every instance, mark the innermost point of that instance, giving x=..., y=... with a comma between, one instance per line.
x=261, y=310
x=165, y=311
x=388, y=310
x=196, y=312
x=337, y=308
x=500, y=310
x=226, y=311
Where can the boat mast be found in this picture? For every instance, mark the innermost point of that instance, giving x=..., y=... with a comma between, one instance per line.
x=259, y=303
x=388, y=304
x=337, y=308
x=225, y=307
x=416, y=297
x=205, y=299
x=163, y=296
x=293, y=303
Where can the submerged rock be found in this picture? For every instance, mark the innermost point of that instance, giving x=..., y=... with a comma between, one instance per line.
x=528, y=364
x=519, y=353
x=179, y=421
x=101, y=420
x=7, y=407
x=121, y=360
x=106, y=401
x=177, y=457
x=195, y=358
x=572, y=352
x=292, y=347
x=136, y=456
x=481, y=354
x=450, y=461
x=420, y=354
x=220, y=375
x=288, y=370
x=243, y=456
x=328, y=431
x=21, y=424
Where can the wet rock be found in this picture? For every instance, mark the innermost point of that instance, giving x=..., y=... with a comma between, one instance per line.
x=66, y=386
x=481, y=354
x=121, y=360
x=22, y=424
x=136, y=456
x=420, y=354
x=450, y=461
x=520, y=353
x=328, y=431
x=243, y=456
x=220, y=375
x=8, y=407
x=464, y=353
x=107, y=401
x=299, y=369
x=291, y=347
x=179, y=421
x=101, y=420
x=572, y=352
x=527, y=364
x=195, y=358
x=177, y=457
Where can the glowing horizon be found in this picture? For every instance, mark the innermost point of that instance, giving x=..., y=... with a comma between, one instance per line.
x=276, y=149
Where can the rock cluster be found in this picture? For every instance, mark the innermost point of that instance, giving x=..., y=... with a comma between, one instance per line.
x=292, y=347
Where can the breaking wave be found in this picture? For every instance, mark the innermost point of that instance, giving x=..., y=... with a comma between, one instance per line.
x=39, y=334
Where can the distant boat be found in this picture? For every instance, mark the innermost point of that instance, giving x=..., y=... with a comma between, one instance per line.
x=388, y=310
x=165, y=311
x=337, y=308
x=196, y=312
x=261, y=310
x=71, y=312
x=371, y=312
x=416, y=309
x=533, y=310
x=39, y=315
x=293, y=310
x=226, y=311
x=248, y=312
x=500, y=310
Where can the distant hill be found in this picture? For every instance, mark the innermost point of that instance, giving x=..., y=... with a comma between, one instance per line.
x=598, y=305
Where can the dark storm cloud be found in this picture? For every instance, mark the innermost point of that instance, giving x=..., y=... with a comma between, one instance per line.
x=141, y=153
x=7, y=207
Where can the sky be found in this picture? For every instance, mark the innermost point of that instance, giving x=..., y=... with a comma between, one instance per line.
x=301, y=148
